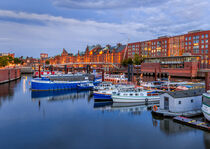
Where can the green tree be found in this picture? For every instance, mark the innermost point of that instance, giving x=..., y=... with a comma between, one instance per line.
x=138, y=59
x=130, y=61
x=47, y=62
x=3, y=61
x=124, y=62
x=10, y=59
x=17, y=61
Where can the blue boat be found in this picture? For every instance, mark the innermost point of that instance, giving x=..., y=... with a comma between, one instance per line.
x=43, y=85
x=62, y=82
x=102, y=95
x=85, y=86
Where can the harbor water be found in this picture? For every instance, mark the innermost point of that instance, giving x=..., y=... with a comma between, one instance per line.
x=72, y=120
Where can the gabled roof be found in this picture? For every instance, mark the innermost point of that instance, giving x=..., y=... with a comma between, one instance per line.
x=186, y=93
x=120, y=48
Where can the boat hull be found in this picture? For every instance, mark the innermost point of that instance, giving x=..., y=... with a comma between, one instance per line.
x=85, y=87
x=206, y=111
x=101, y=96
x=40, y=85
x=136, y=99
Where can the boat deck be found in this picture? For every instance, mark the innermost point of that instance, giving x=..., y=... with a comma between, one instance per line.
x=193, y=123
x=167, y=113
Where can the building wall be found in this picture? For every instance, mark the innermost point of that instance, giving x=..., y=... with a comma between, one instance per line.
x=186, y=104
x=7, y=75
x=195, y=43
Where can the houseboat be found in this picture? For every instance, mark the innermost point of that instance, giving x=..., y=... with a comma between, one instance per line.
x=137, y=95
x=180, y=103
x=206, y=105
x=60, y=82
x=115, y=78
x=104, y=92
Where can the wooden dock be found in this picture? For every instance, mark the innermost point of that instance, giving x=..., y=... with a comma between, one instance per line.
x=193, y=123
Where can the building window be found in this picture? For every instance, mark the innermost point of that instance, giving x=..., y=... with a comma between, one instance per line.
x=180, y=102
x=202, y=46
x=186, y=38
x=202, y=36
x=189, y=38
x=206, y=46
x=206, y=51
x=190, y=43
x=192, y=101
x=202, y=41
x=196, y=49
x=207, y=40
x=207, y=35
x=196, y=41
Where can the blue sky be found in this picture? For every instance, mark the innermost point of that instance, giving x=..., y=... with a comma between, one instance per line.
x=29, y=27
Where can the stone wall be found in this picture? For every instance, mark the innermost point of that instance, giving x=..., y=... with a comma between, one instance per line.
x=7, y=75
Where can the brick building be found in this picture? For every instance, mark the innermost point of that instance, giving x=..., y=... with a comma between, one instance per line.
x=8, y=54
x=194, y=42
x=107, y=54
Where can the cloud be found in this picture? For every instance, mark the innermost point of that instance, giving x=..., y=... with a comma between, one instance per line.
x=105, y=4
x=59, y=32
x=138, y=22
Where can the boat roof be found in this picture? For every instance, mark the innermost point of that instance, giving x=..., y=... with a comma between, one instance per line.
x=186, y=93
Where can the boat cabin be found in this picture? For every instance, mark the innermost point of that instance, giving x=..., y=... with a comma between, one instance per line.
x=182, y=101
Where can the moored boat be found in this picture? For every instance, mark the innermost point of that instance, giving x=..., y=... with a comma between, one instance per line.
x=85, y=86
x=137, y=95
x=60, y=82
x=206, y=105
x=103, y=95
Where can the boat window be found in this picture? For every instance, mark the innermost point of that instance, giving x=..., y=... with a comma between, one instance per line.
x=192, y=101
x=131, y=94
x=136, y=94
x=180, y=102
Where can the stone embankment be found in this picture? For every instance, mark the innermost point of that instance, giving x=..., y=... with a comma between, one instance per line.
x=7, y=75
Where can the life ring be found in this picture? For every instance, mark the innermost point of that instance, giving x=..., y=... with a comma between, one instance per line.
x=155, y=108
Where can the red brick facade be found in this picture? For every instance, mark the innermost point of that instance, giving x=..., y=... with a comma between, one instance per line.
x=96, y=53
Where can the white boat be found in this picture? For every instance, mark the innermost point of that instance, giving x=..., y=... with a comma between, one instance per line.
x=103, y=86
x=137, y=95
x=206, y=105
x=105, y=92
x=154, y=84
x=115, y=78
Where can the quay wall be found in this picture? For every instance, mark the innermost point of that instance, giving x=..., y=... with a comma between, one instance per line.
x=7, y=75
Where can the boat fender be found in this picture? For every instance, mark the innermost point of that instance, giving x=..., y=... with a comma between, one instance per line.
x=155, y=108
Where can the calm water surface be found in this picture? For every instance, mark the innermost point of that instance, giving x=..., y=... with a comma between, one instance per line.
x=70, y=119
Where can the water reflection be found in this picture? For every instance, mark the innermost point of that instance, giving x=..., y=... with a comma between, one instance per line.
x=59, y=95
x=7, y=91
x=132, y=108
x=206, y=138
x=169, y=127
x=64, y=119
